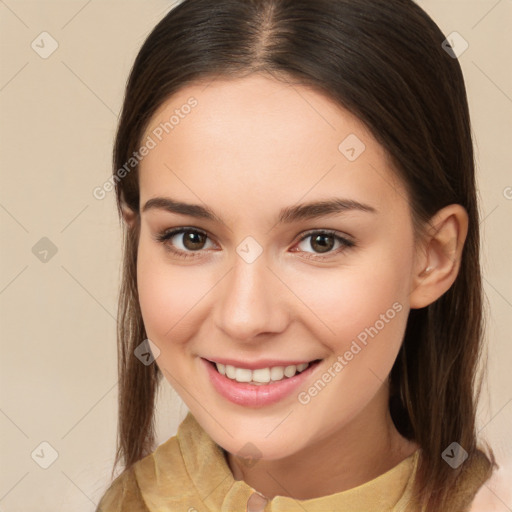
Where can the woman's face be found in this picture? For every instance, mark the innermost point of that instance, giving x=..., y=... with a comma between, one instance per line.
x=259, y=280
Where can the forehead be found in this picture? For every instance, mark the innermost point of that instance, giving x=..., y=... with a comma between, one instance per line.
x=257, y=137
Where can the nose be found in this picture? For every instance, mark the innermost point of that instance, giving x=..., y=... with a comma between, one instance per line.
x=251, y=301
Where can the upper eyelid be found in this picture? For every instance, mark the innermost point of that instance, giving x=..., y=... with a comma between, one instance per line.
x=327, y=231
x=169, y=233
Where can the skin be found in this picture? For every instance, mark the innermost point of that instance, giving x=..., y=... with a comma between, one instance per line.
x=250, y=147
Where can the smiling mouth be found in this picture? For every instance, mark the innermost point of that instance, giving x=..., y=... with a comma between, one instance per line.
x=262, y=376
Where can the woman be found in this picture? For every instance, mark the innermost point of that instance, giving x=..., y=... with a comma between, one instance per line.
x=301, y=262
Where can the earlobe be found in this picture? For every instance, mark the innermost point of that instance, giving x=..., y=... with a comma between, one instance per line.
x=440, y=254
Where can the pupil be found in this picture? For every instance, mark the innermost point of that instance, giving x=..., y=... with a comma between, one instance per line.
x=193, y=241
x=320, y=239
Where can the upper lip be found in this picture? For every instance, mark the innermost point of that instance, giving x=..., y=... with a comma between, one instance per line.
x=261, y=363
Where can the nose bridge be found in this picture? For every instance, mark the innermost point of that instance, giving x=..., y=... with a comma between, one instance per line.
x=250, y=303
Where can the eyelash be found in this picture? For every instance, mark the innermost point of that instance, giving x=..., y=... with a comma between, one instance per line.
x=164, y=236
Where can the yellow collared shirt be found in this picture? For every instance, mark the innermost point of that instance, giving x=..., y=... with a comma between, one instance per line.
x=189, y=473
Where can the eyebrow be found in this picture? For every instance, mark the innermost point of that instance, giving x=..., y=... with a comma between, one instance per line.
x=304, y=211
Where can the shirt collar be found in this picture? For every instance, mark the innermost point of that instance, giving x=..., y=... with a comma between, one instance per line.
x=208, y=469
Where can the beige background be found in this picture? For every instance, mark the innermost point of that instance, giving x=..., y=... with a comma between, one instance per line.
x=58, y=117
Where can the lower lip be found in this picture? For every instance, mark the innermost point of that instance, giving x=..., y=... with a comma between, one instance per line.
x=251, y=395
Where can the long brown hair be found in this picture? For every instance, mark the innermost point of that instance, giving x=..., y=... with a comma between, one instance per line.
x=382, y=60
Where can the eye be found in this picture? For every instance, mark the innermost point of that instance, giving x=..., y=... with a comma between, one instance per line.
x=190, y=242
x=323, y=242
x=183, y=242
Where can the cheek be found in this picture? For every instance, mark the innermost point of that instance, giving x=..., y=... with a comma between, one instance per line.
x=169, y=297
x=347, y=300
x=361, y=312
x=366, y=315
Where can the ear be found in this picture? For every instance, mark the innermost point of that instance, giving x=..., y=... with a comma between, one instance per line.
x=438, y=255
x=129, y=215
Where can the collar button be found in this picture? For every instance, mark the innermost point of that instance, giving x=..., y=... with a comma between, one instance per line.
x=256, y=502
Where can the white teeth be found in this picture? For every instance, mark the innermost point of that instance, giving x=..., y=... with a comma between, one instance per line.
x=277, y=373
x=261, y=375
x=290, y=371
x=243, y=375
x=230, y=371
